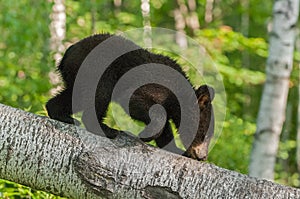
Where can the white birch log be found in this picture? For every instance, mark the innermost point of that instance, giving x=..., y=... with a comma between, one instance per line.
x=65, y=160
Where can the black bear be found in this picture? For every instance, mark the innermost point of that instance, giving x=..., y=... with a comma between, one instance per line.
x=141, y=101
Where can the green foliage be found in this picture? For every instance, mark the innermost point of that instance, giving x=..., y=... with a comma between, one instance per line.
x=124, y=122
x=25, y=61
x=286, y=171
x=117, y=118
x=239, y=133
x=226, y=48
x=15, y=191
x=24, y=54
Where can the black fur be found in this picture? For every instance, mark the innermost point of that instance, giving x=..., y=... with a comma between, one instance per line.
x=60, y=107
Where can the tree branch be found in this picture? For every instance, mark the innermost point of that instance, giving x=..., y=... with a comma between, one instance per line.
x=68, y=161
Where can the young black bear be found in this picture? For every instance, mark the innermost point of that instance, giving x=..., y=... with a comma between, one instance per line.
x=143, y=98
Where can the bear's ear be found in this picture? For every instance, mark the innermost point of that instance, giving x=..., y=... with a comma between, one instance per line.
x=205, y=94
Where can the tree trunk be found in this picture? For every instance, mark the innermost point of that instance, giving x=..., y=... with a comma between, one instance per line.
x=298, y=128
x=192, y=19
x=272, y=107
x=58, y=33
x=145, y=7
x=245, y=19
x=65, y=160
x=93, y=16
x=209, y=11
x=180, y=24
x=58, y=29
x=298, y=108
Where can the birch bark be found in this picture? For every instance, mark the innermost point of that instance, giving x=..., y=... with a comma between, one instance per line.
x=65, y=160
x=273, y=103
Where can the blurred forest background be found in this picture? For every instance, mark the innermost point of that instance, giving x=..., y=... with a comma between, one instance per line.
x=233, y=32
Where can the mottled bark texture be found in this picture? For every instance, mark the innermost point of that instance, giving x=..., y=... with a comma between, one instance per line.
x=66, y=160
x=273, y=102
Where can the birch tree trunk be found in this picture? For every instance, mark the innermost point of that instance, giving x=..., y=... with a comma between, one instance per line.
x=298, y=108
x=93, y=16
x=245, y=19
x=209, y=5
x=58, y=29
x=192, y=20
x=298, y=128
x=180, y=24
x=272, y=107
x=58, y=33
x=185, y=16
x=145, y=8
x=65, y=160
